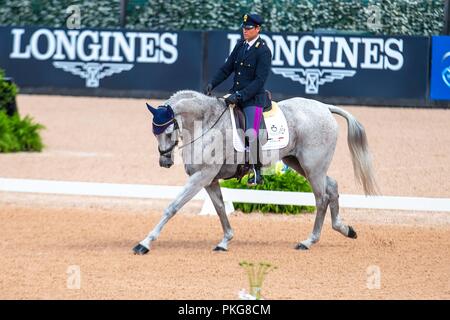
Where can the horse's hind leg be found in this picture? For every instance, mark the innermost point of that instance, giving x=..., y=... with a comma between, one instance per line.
x=318, y=183
x=215, y=194
x=333, y=194
x=292, y=162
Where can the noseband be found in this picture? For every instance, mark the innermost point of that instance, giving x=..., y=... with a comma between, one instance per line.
x=164, y=153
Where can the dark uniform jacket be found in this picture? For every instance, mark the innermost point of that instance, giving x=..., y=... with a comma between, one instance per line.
x=251, y=68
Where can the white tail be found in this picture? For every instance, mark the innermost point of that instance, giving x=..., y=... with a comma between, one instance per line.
x=359, y=149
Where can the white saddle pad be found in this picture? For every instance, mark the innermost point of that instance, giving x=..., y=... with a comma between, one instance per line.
x=277, y=129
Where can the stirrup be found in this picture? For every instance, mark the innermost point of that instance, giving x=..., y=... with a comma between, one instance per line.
x=256, y=179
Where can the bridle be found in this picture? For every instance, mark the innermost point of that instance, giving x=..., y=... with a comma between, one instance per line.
x=177, y=128
x=169, y=150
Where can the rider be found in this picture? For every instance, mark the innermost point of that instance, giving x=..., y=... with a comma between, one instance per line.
x=250, y=61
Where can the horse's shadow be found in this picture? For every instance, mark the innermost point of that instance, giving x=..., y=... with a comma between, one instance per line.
x=93, y=246
x=128, y=244
x=166, y=244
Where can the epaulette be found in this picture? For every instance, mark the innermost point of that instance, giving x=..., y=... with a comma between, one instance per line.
x=260, y=42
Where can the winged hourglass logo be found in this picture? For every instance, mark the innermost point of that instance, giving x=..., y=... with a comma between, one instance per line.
x=313, y=78
x=92, y=71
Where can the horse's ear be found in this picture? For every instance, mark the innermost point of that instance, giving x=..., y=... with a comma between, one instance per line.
x=150, y=108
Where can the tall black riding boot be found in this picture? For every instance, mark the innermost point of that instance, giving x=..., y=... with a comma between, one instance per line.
x=256, y=178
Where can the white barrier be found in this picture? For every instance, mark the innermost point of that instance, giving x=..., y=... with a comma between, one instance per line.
x=229, y=195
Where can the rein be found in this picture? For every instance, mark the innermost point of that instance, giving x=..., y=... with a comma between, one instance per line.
x=186, y=144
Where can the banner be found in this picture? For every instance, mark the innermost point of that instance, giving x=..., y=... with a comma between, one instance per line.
x=440, y=68
x=92, y=61
x=101, y=59
x=313, y=65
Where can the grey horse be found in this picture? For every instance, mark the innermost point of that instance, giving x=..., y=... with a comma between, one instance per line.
x=313, y=136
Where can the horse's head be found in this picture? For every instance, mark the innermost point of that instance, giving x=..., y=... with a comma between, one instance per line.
x=165, y=128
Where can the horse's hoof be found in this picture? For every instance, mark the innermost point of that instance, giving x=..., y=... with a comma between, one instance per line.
x=140, y=250
x=351, y=233
x=219, y=249
x=301, y=246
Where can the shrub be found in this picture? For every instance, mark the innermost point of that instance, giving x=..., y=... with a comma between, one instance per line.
x=8, y=92
x=18, y=134
x=279, y=181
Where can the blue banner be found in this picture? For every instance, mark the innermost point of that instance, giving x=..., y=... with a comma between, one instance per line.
x=440, y=68
x=92, y=59
x=137, y=63
x=313, y=65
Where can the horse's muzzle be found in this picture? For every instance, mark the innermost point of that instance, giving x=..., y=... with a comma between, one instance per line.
x=165, y=162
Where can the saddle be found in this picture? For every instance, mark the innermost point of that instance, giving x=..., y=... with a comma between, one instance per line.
x=268, y=105
x=239, y=118
x=273, y=138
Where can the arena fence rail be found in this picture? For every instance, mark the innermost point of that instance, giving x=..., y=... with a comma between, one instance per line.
x=229, y=195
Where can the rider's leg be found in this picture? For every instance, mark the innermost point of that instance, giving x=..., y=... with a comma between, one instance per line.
x=253, y=116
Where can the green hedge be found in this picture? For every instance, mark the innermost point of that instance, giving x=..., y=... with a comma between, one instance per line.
x=52, y=13
x=16, y=133
x=410, y=17
x=278, y=181
x=396, y=16
x=8, y=92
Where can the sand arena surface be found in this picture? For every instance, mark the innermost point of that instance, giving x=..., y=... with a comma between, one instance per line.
x=110, y=140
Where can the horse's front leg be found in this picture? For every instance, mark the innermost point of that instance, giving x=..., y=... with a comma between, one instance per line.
x=216, y=197
x=195, y=183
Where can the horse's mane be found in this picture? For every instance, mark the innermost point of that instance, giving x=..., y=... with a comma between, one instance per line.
x=197, y=100
x=182, y=94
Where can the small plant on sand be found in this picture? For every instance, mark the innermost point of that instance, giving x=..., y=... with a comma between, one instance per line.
x=256, y=274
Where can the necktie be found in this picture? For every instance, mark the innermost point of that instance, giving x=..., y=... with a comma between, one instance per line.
x=246, y=46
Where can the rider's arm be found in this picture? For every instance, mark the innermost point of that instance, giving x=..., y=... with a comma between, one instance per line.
x=261, y=73
x=224, y=72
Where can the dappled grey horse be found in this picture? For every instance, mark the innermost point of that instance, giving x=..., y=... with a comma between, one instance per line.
x=313, y=136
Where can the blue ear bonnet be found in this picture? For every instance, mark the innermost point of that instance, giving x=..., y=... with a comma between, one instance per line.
x=163, y=117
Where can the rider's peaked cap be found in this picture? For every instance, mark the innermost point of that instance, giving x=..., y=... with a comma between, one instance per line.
x=252, y=19
x=163, y=117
